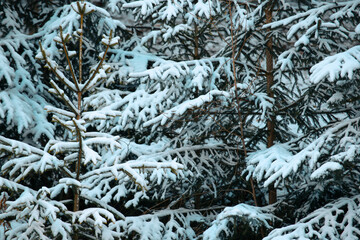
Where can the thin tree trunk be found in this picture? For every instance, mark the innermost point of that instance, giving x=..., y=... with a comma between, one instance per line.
x=270, y=82
x=79, y=96
x=79, y=138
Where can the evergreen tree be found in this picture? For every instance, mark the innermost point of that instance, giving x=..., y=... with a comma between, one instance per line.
x=86, y=170
x=319, y=168
x=202, y=120
x=21, y=97
x=203, y=111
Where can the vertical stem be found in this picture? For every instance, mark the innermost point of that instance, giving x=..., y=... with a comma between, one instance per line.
x=80, y=46
x=270, y=82
x=79, y=99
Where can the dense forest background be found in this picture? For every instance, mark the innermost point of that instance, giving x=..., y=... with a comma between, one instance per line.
x=179, y=119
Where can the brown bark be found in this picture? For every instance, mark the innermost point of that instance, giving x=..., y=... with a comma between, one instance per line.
x=270, y=82
x=78, y=116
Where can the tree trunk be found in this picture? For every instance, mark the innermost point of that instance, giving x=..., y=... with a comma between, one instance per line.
x=270, y=82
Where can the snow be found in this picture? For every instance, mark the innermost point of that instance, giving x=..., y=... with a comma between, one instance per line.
x=339, y=65
x=48, y=162
x=324, y=222
x=171, y=32
x=102, y=114
x=172, y=10
x=137, y=141
x=59, y=146
x=6, y=71
x=264, y=103
x=256, y=215
x=325, y=169
x=183, y=107
x=357, y=29
x=304, y=40
x=29, y=110
x=277, y=162
x=72, y=53
x=111, y=41
x=70, y=181
x=202, y=9
x=90, y=155
x=13, y=185
x=146, y=6
x=62, y=228
x=100, y=216
x=265, y=163
x=59, y=111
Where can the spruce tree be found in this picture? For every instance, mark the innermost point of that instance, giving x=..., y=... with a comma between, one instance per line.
x=255, y=102
x=84, y=171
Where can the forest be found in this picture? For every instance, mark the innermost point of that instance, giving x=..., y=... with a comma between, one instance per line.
x=179, y=119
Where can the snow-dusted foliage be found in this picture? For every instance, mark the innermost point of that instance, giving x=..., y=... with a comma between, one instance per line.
x=231, y=217
x=90, y=170
x=340, y=142
x=21, y=98
x=186, y=27
x=318, y=166
x=338, y=220
x=177, y=119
